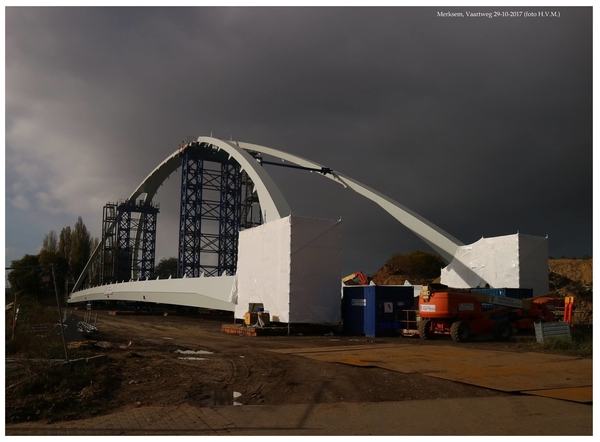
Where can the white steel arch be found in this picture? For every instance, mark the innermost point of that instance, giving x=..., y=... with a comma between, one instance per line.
x=272, y=201
x=274, y=206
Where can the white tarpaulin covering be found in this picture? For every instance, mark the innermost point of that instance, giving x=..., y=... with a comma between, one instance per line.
x=292, y=266
x=512, y=261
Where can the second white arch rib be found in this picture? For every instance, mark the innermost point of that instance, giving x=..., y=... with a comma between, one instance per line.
x=439, y=240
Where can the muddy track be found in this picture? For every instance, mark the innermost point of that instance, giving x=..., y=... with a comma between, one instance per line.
x=153, y=373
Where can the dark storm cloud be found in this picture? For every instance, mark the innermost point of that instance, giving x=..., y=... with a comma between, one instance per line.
x=482, y=126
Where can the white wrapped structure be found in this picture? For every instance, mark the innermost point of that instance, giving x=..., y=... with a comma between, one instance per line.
x=511, y=261
x=291, y=266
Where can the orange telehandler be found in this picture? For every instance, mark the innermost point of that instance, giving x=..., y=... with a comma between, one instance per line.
x=459, y=313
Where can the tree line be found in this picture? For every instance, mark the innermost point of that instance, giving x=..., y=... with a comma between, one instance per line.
x=69, y=251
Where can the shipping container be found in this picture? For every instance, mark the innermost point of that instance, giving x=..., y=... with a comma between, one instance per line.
x=384, y=307
x=375, y=311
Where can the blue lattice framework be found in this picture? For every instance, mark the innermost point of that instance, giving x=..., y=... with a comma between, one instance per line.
x=126, y=265
x=210, y=215
x=109, y=233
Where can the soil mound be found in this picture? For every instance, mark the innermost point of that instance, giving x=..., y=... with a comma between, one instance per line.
x=417, y=267
x=573, y=277
x=577, y=270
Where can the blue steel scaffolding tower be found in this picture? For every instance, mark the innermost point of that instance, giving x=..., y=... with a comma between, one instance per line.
x=109, y=233
x=126, y=265
x=211, y=211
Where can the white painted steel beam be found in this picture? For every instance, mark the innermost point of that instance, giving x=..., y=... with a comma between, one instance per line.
x=205, y=292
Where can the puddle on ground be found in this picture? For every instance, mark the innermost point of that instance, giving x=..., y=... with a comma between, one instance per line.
x=219, y=397
x=164, y=337
x=194, y=352
x=191, y=358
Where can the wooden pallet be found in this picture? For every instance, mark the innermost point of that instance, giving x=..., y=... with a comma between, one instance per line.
x=243, y=330
x=280, y=330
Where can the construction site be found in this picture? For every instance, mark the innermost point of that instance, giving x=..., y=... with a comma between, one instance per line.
x=260, y=316
x=156, y=368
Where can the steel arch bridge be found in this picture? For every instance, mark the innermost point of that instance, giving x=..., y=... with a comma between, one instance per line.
x=214, y=291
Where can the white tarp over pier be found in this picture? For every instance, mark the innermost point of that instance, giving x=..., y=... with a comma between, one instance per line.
x=512, y=261
x=292, y=266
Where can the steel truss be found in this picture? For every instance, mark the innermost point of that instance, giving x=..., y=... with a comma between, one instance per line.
x=212, y=185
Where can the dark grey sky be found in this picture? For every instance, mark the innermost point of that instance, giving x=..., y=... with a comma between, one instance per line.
x=483, y=126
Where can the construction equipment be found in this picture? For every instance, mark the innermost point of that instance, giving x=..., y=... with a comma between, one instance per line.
x=364, y=280
x=459, y=313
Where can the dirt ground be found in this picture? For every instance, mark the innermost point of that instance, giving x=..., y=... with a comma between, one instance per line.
x=144, y=368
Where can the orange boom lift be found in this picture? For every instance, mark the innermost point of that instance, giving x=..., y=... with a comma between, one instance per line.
x=459, y=313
